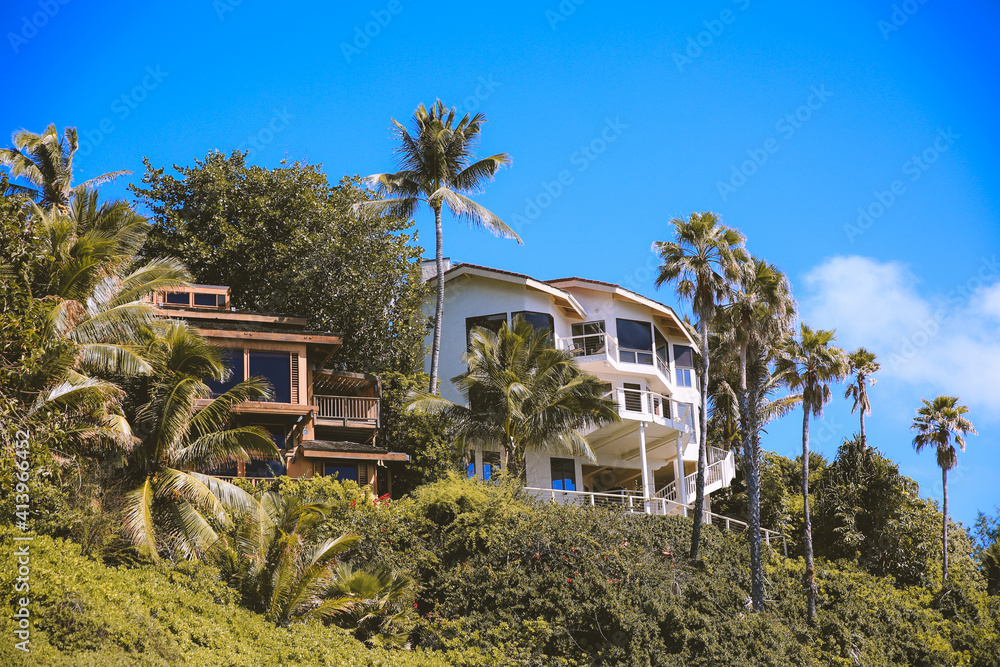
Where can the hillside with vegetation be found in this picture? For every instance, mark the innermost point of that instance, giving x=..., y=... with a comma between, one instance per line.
x=137, y=557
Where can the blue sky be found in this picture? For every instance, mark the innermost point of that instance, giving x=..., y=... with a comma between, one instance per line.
x=854, y=143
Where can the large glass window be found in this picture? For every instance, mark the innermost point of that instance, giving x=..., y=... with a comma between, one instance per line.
x=471, y=467
x=588, y=338
x=491, y=464
x=490, y=322
x=662, y=352
x=563, y=474
x=233, y=359
x=540, y=321
x=268, y=468
x=684, y=362
x=206, y=299
x=178, y=298
x=276, y=368
x=635, y=342
x=341, y=471
x=633, y=397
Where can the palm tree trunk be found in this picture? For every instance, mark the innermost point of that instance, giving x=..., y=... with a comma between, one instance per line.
x=810, y=581
x=864, y=441
x=751, y=460
x=439, y=310
x=699, y=502
x=944, y=527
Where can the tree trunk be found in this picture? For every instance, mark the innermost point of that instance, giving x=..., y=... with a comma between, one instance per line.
x=751, y=461
x=810, y=580
x=439, y=310
x=864, y=441
x=699, y=502
x=944, y=527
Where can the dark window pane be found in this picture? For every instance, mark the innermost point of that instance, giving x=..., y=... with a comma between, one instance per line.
x=341, y=471
x=563, y=474
x=178, y=298
x=276, y=368
x=490, y=322
x=661, y=346
x=491, y=464
x=203, y=299
x=268, y=468
x=472, y=463
x=683, y=356
x=633, y=397
x=233, y=359
x=540, y=321
x=635, y=335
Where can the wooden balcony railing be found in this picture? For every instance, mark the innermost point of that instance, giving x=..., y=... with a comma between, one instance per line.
x=347, y=409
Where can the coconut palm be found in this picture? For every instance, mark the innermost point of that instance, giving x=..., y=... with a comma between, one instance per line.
x=702, y=262
x=437, y=168
x=862, y=366
x=938, y=425
x=809, y=365
x=522, y=395
x=175, y=507
x=757, y=318
x=46, y=162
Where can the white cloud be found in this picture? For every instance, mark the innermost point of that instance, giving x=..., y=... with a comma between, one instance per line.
x=945, y=343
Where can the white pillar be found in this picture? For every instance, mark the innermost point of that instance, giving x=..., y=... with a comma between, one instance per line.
x=681, y=486
x=645, y=466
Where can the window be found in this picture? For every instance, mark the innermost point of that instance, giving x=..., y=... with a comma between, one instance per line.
x=633, y=397
x=267, y=468
x=490, y=322
x=540, y=321
x=684, y=361
x=662, y=352
x=213, y=300
x=635, y=342
x=588, y=338
x=233, y=359
x=178, y=298
x=276, y=368
x=491, y=464
x=341, y=471
x=563, y=474
x=471, y=468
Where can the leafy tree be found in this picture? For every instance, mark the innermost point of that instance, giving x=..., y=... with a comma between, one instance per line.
x=704, y=260
x=758, y=316
x=45, y=161
x=522, y=395
x=174, y=507
x=285, y=241
x=437, y=168
x=810, y=364
x=938, y=425
x=862, y=366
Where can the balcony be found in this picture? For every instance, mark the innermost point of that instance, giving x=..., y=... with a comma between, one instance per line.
x=347, y=411
x=653, y=407
x=719, y=473
x=596, y=349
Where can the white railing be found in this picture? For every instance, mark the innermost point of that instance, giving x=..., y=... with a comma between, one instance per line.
x=587, y=345
x=632, y=501
x=347, y=408
x=642, y=402
x=721, y=470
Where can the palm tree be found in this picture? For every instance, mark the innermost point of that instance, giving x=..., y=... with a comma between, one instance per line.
x=522, y=395
x=809, y=365
x=758, y=316
x=703, y=261
x=174, y=506
x=284, y=567
x=437, y=168
x=46, y=162
x=862, y=366
x=938, y=424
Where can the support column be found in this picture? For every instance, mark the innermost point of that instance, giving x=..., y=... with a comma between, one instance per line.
x=646, y=493
x=681, y=485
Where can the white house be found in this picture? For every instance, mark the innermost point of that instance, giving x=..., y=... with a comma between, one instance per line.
x=638, y=346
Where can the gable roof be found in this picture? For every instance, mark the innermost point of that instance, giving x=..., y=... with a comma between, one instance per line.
x=562, y=298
